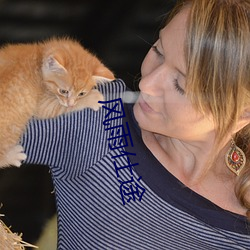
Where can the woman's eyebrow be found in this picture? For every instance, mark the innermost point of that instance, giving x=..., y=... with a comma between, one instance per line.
x=160, y=38
x=184, y=75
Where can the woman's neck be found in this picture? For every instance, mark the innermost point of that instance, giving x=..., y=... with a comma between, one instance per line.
x=189, y=163
x=187, y=160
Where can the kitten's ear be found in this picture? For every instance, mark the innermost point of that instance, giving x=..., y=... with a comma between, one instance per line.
x=102, y=74
x=51, y=65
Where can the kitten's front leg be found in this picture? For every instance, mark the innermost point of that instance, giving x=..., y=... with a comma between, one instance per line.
x=13, y=157
x=50, y=107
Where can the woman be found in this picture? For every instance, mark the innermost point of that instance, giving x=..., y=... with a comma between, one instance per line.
x=165, y=173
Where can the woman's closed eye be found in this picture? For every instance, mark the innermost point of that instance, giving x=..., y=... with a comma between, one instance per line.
x=178, y=87
x=155, y=49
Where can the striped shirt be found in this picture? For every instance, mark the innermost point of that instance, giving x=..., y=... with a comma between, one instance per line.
x=112, y=193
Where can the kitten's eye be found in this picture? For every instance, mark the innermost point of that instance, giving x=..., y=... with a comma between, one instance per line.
x=63, y=91
x=82, y=94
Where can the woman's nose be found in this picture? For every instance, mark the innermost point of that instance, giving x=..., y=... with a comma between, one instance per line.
x=151, y=73
x=151, y=82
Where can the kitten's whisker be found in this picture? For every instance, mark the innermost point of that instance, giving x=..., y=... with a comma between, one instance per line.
x=150, y=44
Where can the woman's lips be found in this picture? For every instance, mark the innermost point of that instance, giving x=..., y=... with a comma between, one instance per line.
x=144, y=105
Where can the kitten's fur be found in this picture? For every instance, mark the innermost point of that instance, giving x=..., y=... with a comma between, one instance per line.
x=43, y=80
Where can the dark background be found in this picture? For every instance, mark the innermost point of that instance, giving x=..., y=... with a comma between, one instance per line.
x=119, y=32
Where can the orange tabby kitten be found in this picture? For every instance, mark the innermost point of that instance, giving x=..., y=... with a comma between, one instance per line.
x=43, y=80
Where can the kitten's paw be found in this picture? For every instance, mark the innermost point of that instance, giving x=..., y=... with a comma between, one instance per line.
x=96, y=95
x=15, y=156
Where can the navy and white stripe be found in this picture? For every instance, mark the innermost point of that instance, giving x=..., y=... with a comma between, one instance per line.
x=90, y=211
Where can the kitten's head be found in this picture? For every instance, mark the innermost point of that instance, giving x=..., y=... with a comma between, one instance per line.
x=70, y=72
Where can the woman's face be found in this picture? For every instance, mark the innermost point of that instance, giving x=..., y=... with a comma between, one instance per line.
x=163, y=106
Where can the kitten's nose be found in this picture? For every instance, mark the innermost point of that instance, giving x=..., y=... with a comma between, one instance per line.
x=71, y=102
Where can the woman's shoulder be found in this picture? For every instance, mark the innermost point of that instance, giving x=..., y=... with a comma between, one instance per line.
x=112, y=89
x=74, y=132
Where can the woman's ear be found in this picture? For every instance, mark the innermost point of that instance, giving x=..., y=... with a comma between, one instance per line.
x=243, y=121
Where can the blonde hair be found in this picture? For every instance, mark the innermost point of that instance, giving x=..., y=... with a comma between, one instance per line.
x=217, y=51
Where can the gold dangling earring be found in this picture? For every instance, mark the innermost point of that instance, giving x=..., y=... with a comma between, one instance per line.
x=235, y=158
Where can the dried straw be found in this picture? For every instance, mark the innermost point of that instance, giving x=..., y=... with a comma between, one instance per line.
x=10, y=240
